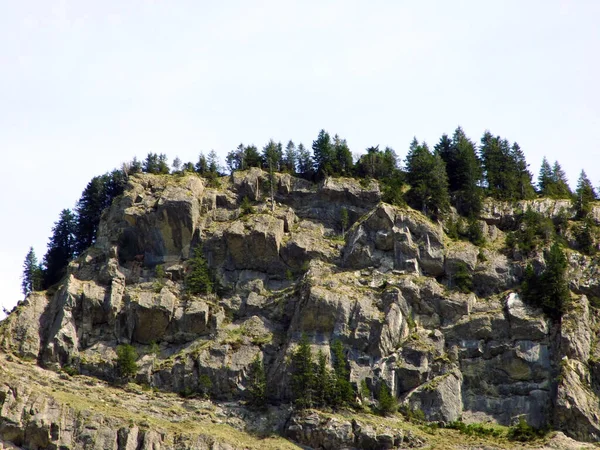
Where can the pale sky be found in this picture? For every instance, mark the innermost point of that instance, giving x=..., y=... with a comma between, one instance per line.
x=86, y=85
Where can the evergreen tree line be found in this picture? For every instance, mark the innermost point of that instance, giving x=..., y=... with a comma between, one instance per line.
x=457, y=172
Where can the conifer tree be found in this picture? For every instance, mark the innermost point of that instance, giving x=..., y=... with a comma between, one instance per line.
x=213, y=162
x=257, y=383
x=323, y=154
x=303, y=376
x=524, y=186
x=545, y=179
x=343, y=391
x=322, y=381
x=290, y=158
x=272, y=156
x=198, y=280
x=305, y=161
x=176, y=164
x=61, y=248
x=32, y=274
x=202, y=164
x=126, y=361
x=426, y=174
x=584, y=195
x=561, y=184
x=342, y=164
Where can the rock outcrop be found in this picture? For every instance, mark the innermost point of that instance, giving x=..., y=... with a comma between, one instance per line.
x=387, y=291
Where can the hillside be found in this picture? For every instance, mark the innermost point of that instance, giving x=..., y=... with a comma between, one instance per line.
x=437, y=321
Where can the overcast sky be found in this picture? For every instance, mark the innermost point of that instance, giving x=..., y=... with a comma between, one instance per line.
x=86, y=85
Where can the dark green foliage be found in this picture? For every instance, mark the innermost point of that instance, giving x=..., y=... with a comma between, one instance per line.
x=32, y=274
x=552, y=181
x=198, y=280
x=126, y=361
x=387, y=403
x=342, y=163
x=464, y=172
x=272, y=157
x=243, y=157
x=246, y=207
x=463, y=280
x=412, y=415
x=392, y=188
x=533, y=231
x=506, y=173
x=548, y=290
x=61, y=248
x=213, y=162
x=523, y=432
x=474, y=429
x=584, y=195
x=343, y=392
x=98, y=195
x=176, y=165
x=204, y=385
x=257, y=388
x=426, y=175
x=305, y=161
x=585, y=236
x=290, y=159
x=303, y=376
x=377, y=164
x=474, y=233
x=156, y=164
x=202, y=164
x=323, y=381
x=323, y=154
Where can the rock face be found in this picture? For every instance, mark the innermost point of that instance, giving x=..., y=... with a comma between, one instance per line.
x=387, y=290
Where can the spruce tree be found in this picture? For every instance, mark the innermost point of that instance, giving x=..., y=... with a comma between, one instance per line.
x=466, y=175
x=257, y=387
x=290, y=158
x=202, y=164
x=126, y=361
x=176, y=164
x=213, y=162
x=561, y=184
x=584, y=195
x=426, y=175
x=342, y=164
x=272, y=156
x=343, y=391
x=524, y=186
x=198, y=280
x=32, y=274
x=303, y=375
x=305, y=161
x=322, y=381
x=89, y=209
x=545, y=179
x=323, y=154
x=61, y=248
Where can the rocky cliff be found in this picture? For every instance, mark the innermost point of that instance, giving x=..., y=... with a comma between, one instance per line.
x=386, y=290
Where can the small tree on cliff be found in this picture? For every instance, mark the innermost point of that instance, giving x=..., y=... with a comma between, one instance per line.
x=32, y=274
x=126, y=361
x=198, y=279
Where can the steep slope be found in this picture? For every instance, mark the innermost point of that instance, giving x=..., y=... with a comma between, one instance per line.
x=386, y=291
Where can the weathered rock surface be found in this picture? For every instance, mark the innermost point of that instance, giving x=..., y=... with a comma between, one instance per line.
x=387, y=291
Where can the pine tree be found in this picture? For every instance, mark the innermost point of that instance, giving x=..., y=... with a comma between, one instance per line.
x=61, y=248
x=545, y=179
x=198, y=280
x=251, y=157
x=525, y=190
x=291, y=157
x=343, y=391
x=323, y=154
x=342, y=163
x=305, y=161
x=272, y=157
x=213, y=162
x=257, y=388
x=322, y=381
x=126, y=361
x=89, y=209
x=426, y=175
x=387, y=402
x=561, y=184
x=303, y=376
x=584, y=195
x=202, y=164
x=32, y=274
